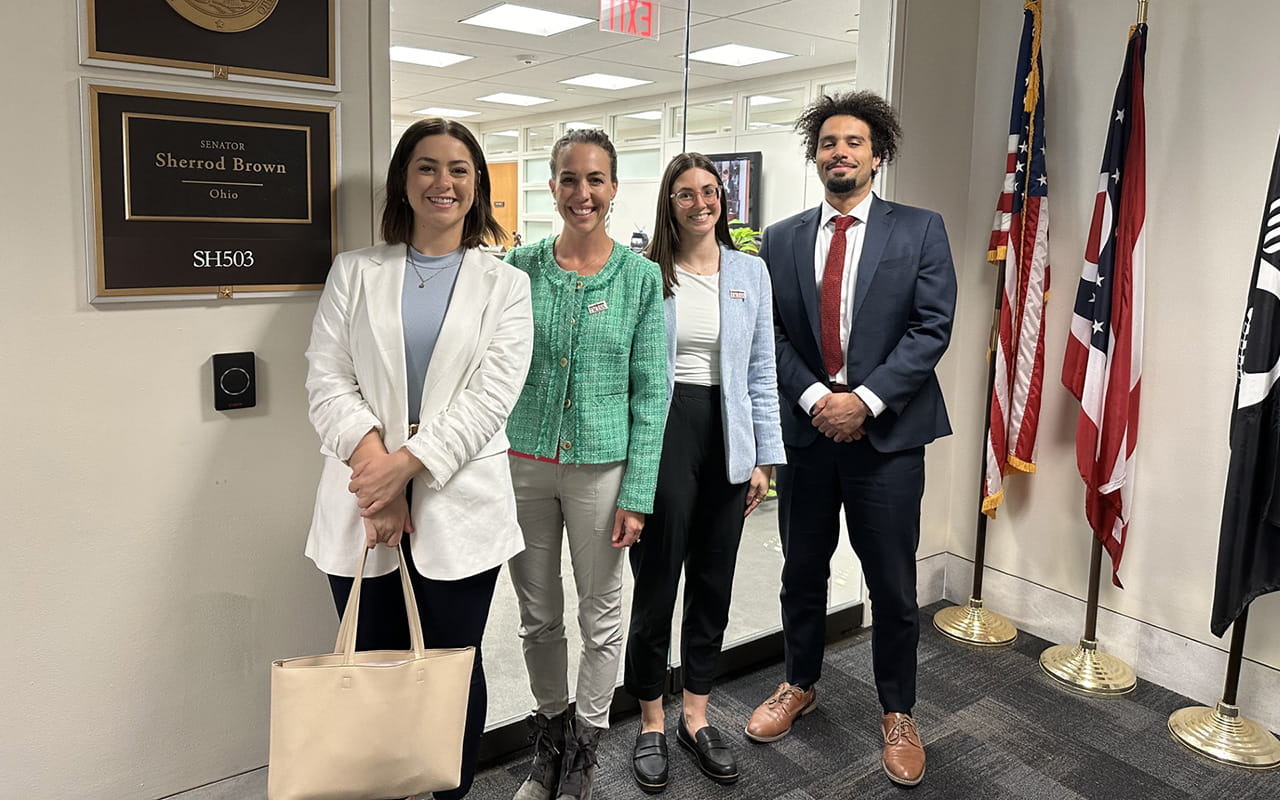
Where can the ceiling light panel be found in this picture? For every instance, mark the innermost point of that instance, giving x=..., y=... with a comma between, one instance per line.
x=452, y=113
x=510, y=99
x=767, y=100
x=737, y=55
x=523, y=19
x=599, y=80
x=427, y=58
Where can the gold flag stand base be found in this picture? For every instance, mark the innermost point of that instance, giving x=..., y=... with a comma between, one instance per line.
x=1083, y=669
x=973, y=624
x=1223, y=735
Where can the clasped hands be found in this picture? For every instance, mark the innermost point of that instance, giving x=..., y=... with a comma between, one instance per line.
x=840, y=416
x=378, y=480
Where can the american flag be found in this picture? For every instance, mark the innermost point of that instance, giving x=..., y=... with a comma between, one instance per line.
x=1020, y=241
x=1103, y=366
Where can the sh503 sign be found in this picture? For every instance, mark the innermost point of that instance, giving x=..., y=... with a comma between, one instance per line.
x=630, y=17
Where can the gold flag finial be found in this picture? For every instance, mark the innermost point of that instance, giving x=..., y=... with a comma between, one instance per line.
x=1142, y=12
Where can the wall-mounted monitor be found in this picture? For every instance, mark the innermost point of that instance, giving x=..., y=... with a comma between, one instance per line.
x=740, y=173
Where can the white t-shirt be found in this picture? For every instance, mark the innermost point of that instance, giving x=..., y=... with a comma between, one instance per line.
x=697, y=300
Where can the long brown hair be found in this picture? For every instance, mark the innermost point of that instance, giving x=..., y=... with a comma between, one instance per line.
x=666, y=234
x=480, y=225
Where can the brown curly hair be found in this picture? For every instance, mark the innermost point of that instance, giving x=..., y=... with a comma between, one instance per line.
x=867, y=106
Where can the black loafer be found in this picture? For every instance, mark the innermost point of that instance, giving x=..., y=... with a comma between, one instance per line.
x=649, y=762
x=714, y=757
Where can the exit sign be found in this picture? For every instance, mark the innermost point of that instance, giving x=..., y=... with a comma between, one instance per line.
x=630, y=17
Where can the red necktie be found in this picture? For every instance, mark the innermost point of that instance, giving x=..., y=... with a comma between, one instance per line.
x=832, y=278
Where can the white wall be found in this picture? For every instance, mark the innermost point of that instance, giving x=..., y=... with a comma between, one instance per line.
x=1211, y=133
x=153, y=545
x=934, y=92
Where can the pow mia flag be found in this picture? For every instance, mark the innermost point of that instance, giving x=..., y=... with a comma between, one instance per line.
x=1249, y=544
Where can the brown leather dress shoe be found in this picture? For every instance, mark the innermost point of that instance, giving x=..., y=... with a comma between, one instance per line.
x=773, y=718
x=903, y=755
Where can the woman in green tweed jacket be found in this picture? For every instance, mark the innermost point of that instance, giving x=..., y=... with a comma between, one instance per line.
x=586, y=438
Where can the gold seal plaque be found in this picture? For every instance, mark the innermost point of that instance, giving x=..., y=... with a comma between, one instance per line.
x=224, y=16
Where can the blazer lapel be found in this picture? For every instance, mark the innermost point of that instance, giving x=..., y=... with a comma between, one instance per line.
x=805, y=238
x=451, y=359
x=732, y=312
x=383, y=285
x=879, y=229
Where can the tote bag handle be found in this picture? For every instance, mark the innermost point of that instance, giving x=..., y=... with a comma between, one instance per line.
x=346, y=643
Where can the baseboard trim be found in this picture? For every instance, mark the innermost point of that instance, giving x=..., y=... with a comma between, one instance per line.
x=1176, y=662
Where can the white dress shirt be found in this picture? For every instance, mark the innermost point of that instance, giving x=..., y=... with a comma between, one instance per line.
x=854, y=237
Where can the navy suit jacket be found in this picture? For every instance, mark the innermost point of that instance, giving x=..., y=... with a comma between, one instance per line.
x=902, y=311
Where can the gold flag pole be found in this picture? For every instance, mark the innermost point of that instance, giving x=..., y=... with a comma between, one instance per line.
x=1221, y=733
x=971, y=623
x=1142, y=12
x=1081, y=667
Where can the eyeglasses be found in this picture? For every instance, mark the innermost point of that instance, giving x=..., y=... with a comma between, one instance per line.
x=685, y=197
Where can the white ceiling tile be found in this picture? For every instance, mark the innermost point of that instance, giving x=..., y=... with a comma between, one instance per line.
x=802, y=27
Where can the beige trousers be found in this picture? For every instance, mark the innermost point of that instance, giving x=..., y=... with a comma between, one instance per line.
x=580, y=500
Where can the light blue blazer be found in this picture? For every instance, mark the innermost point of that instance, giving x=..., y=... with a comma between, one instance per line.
x=748, y=372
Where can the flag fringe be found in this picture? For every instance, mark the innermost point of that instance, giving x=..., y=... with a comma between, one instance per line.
x=1020, y=465
x=990, y=504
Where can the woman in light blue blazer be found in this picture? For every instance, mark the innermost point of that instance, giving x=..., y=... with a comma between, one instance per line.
x=723, y=437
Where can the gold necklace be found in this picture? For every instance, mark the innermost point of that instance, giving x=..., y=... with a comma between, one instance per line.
x=422, y=282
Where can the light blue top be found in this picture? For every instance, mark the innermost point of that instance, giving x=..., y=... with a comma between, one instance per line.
x=422, y=314
x=748, y=373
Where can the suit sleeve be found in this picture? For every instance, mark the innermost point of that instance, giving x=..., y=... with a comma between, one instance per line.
x=928, y=332
x=337, y=409
x=794, y=376
x=479, y=412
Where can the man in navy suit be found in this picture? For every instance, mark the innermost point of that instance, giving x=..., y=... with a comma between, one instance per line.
x=864, y=291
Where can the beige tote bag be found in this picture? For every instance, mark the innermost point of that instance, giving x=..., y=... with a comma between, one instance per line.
x=371, y=725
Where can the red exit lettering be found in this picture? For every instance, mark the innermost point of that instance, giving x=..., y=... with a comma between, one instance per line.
x=630, y=17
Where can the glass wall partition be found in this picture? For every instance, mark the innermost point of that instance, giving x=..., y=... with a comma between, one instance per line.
x=751, y=68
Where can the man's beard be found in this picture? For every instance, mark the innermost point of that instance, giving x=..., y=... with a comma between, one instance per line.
x=842, y=185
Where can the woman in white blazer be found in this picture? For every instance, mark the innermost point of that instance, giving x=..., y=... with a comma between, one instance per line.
x=722, y=439
x=418, y=353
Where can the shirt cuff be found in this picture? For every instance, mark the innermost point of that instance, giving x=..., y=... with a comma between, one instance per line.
x=874, y=403
x=815, y=392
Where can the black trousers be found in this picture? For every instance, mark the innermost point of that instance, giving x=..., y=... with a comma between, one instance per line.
x=696, y=526
x=453, y=614
x=880, y=494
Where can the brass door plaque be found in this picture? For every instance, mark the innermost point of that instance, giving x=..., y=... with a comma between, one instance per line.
x=209, y=195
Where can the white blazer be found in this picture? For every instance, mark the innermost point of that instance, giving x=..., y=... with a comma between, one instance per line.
x=463, y=509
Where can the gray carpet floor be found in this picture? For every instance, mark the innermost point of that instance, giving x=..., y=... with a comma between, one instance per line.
x=993, y=726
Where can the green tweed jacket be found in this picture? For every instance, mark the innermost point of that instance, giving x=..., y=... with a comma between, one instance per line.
x=597, y=386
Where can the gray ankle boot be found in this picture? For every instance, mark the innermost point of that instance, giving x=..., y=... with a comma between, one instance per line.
x=579, y=772
x=547, y=736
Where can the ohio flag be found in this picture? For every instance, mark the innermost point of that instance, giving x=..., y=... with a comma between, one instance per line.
x=1103, y=366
